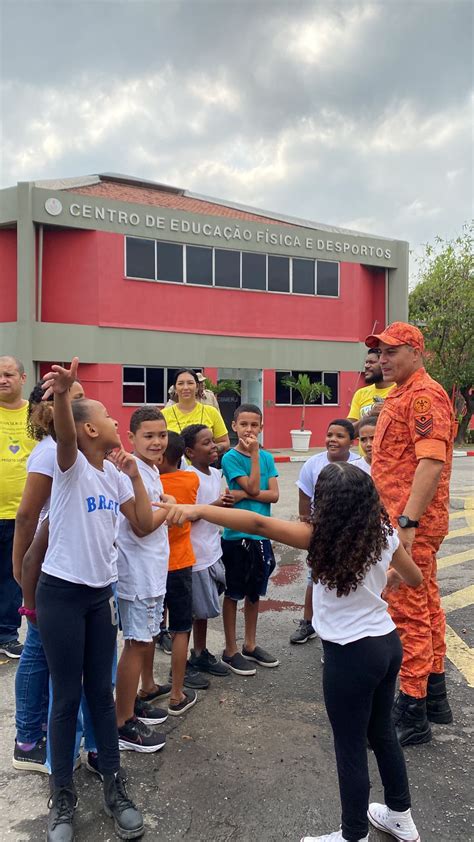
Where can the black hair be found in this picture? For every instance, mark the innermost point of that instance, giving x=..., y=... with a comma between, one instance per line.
x=375, y=351
x=175, y=449
x=191, y=432
x=248, y=407
x=344, y=422
x=145, y=413
x=350, y=527
x=186, y=371
x=81, y=410
x=42, y=424
x=368, y=421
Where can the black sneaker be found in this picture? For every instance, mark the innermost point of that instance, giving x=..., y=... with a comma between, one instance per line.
x=128, y=821
x=193, y=679
x=162, y=690
x=261, y=657
x=303, y=633
x=31, y=761
x=92, y=764
x=190, y=699
x=135, y=736
x=410, y=720
x=238, y=664
x=163, y=641
x=61, y=806
x=208, y=663
x=149, y=714
x=12, y=649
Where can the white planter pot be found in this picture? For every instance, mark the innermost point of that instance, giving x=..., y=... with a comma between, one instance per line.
x=300, y=439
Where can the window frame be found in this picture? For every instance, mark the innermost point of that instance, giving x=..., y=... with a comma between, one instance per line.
x=338, y=264
x=324, y=401
x=166, y=383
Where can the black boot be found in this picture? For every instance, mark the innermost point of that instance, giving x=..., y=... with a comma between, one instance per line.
x=127, y=819
x=410, y=720
x=437, y=705
x=61, y=805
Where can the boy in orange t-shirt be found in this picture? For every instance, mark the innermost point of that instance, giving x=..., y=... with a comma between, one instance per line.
x=183, y=486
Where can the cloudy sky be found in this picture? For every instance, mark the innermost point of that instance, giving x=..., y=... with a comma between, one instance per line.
x=356, y=114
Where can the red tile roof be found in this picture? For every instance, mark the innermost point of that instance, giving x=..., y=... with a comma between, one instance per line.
x=161, y=198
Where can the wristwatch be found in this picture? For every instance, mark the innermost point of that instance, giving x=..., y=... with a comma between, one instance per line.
x=404, y=522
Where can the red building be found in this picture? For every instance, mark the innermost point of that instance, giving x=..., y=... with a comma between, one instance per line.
x=139, y=279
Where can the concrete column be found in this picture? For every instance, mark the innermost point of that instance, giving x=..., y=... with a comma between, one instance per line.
x=26, y=282
x=398, y=287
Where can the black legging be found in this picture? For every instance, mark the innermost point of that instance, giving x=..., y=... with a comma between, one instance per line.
x=78, y=628
x=359, y=687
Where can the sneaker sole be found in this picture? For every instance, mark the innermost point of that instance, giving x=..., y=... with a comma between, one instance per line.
x=153, y=721
x=242, y=672
x=94, y=770
x=262, y=663
x=10, y=655
x=310, y=637
x=385, y=829
x=213, y=671
x=121, y=832
x=29, y=766
x=124, y=746
x=417, y=739
x=180, y=712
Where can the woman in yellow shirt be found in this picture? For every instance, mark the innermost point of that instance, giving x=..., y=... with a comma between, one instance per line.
x=188, y=410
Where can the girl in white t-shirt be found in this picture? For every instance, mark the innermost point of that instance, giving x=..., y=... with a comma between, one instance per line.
x=351, y=545
x=75, y=606
x=208, y=571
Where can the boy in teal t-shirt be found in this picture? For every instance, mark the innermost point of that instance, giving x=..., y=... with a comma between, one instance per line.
x=248, y=559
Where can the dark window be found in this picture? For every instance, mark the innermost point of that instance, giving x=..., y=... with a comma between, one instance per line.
x=282, y=393
x=169, y=260
x=253, y=270
x=198, y=265
x=227, y=268
x=331, y=379
x=154, y=385
x=133, y=394
x=328, y=278
x=140, y=258
x=303, y=276
x=133, y=375
x=278, y=274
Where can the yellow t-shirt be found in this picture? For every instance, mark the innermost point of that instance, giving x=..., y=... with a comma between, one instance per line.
x=201, y=414
x=363, y=401
x=15, y=447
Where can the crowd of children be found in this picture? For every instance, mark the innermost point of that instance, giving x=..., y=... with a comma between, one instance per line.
x=133, y=538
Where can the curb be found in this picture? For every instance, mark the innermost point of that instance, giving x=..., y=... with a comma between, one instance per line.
x=461, y=503
x=458, y=453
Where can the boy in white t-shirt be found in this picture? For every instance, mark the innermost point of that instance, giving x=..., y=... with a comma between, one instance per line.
x=208, y=571
x=339, y=437
x=366, y=438
x=142, y=569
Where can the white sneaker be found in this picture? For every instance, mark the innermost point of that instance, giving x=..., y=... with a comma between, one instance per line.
x=399, y=825
x=330, y=837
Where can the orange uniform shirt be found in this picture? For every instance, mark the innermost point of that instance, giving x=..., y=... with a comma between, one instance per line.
x=183, y=485
x=416, y=422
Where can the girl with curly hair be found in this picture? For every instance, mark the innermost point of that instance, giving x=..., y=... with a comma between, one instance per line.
x=354, y=554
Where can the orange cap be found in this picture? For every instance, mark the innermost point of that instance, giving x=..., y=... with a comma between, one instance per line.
x=398, y=333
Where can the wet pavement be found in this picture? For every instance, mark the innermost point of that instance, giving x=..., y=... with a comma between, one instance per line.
x=254, y=760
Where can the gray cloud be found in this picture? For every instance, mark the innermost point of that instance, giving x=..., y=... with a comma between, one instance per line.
x=353, y=113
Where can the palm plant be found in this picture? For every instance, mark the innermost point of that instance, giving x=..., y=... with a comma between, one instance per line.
x=222, y=386
x=307, y=390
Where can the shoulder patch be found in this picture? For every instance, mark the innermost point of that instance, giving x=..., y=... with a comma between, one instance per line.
x=422, y=404
x=424, y=425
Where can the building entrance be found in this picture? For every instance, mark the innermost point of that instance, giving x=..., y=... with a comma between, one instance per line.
x=249, y=381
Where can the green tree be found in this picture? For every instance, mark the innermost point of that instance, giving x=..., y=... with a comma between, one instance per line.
x=222, y=386
x=308, y=391
x=442, y=305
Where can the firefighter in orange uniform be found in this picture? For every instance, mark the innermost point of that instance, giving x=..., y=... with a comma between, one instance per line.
x=411, y=467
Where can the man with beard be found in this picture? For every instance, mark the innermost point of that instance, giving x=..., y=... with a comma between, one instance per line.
x=369, y=400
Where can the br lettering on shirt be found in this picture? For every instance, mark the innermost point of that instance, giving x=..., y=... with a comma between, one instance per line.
x=101, y=502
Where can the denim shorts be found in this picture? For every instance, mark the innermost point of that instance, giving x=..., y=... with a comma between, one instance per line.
x=141, y=618
x=248, y=563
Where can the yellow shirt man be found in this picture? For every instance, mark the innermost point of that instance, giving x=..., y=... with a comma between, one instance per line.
x=15, y=447
x=364, y=399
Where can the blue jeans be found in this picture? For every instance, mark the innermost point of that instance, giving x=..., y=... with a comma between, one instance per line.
x=31, y=689
x=10, y=591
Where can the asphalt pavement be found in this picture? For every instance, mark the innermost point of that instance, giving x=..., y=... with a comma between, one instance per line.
x=254, y=760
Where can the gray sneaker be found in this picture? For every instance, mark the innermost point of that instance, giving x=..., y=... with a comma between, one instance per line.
x=303, y=633
x=260, y=656
x=206, y=662
x=238, y=664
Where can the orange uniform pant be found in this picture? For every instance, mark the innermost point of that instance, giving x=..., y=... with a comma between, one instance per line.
x=420, y=620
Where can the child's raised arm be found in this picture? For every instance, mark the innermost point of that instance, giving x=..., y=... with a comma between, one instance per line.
x=406, y=567
x=58, y=381
x=296, y=535
x=137, y=510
